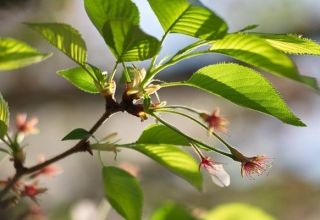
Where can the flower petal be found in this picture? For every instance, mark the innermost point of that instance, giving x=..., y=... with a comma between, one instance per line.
x=219, y=176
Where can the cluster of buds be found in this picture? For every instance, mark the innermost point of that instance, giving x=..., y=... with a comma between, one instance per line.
x=136, y=89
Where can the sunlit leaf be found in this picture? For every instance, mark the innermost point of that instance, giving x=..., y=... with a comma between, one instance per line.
x=258, y=52
x=160, y=134
x=4, y=116
x=15, y=54
x=80, y=78
x=237, y=211
x=123, y=192
x=179, y=16
x=171, y=211
x=174, y=159
x=77, y=134
x=128, y=42
x=102, y=11
x=292, y=43
x=245, y=87
x=65, y=38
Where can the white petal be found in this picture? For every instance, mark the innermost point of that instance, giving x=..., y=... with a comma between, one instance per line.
x=219, y=176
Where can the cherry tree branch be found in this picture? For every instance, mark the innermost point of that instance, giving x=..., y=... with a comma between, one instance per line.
x=82, y=146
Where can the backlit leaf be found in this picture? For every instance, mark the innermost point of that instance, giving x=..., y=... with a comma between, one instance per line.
x=245, y=87
x=160, y=134
x=179, y=16
x=80, y=78
x=4, y=116
x=15, y=54
x=123, y=192
x=174, y=159
x=258, y=52
x=65, y=38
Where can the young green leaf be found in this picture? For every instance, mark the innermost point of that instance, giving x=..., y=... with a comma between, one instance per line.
x=128, y=42
x=179, y=16
x=170, y=211
x=237, y=211
x=174, y=159
x=15, y=54
x=4, y=116
x=65, y=38
x=102, y=11
x=77, y=134
x=160, y=134
x=123, y=192
x=292, y=43
x=245, y=87
x=80, y=78
x=256, y=51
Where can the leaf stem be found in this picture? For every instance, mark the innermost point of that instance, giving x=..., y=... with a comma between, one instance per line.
x=113, y=73
x=190, y=138
x=180, y=107
x=202, y=125
x=154, y=58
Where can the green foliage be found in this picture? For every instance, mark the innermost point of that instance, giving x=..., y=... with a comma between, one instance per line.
x=128, y=42
x=65, y=38
x=16, y=54
x=256, y=51
x=77, y=134
x=160, y=134
x=292, y=44
x=123, y=192
x=118, y=23
x=4, y=116
x=171, y=211
x=237, y=211
x=179, y=16
x=176, y=160
x=80, y=78
x=102, y=11
x=245, y=87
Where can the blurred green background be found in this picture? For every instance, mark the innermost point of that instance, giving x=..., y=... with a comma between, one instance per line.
x=291, y=191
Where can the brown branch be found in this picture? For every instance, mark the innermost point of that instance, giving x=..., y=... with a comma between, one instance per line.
x=111, y=107
x=83, y=145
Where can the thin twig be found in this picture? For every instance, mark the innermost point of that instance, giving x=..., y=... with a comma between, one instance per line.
x=79, y=147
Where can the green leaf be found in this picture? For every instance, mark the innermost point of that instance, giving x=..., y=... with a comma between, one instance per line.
x=123, y=192
x=118, y=23
x=249, y=27
x=80, y=78
x=245, y=87
x=256, y=51
x=170, y=211
x=128, y=42
x=179, y=16
x=160, y=134
x=174, y=159
x=77, y=134
x=237, y=211
x=102, y=11
x=4, y=116
x=65, y=38
x=292, y=43
x=16, y=54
